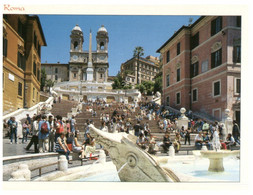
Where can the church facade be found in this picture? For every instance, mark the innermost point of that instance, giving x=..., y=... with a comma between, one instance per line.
x=79, y=58
x=85, y=77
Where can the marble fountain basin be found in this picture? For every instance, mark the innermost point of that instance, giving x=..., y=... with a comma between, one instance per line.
x=216, y=158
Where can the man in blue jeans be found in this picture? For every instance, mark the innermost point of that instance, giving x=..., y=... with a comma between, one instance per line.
x=61, y=146
x=13, y=127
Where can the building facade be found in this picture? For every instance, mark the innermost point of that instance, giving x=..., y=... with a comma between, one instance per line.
x=57, y=72
x=202, y=67
x=148, y=69
x=22, y=40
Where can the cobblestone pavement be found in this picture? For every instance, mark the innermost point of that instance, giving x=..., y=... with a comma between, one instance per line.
x=15, y=149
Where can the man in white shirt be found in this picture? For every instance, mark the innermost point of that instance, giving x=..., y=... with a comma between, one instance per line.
x=198, y=141
x=35, y=131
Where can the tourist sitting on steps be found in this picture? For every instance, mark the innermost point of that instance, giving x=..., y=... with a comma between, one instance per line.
x=176, y=143
x=89, y=146
x=76, y=147
x=206, y=140
x=142, y=142
x=230, y=141
x=152, y=147
x=61, y=146
x=166, y=142
x=198, y=141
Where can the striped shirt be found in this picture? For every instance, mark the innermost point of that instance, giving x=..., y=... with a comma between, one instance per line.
x=57, y=144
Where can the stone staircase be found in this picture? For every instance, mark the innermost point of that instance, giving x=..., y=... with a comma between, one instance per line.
x=63, y=108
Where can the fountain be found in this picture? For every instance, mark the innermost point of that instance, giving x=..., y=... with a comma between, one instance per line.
x=132, y=163
x=216, y=155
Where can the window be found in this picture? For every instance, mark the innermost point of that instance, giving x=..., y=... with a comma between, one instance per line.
x=195, y=40
x=216, y=25
x=204, y=66
x=19, y=89
x=34, y=68
x=194, y=69
x=35, y=40
x=178, y=98
x=168, y=101
x=101, y=76
x=21, y=29
x=75, y=45
x=74, y=75
x=38, y=74
x=21, y=61
x=216, y=58
x=194, y=95
x=216, y=88
x=56, y=70
x=33, y=93
x=5, y=46
x=168, y=56
x=237, y=54
x=168, y=80
x=238, y=21
x=132, y=80
x=37, y=96
x=102, y=46
x=178, y=74
x=39, y=49
x=178, y=48
x=238, y=86
x=56, y=77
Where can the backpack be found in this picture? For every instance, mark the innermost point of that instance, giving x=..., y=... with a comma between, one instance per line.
x=60, y=129
x=44, y=128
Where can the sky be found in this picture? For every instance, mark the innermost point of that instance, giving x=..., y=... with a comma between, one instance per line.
x=125, y=33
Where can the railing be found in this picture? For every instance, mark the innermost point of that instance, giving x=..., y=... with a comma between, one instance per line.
x=19, y=114
x=44, y=166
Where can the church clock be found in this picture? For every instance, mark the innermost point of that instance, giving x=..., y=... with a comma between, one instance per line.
x=75, y=57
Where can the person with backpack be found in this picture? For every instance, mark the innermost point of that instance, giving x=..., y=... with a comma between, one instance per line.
x=44, y=130
x=35, y=131
x=58, y=126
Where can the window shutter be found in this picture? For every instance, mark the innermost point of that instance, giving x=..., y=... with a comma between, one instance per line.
x=23, y=63
x=212, y=60
x=234, y=54
x=213, y=27
x=220, y=22
x=5, y=44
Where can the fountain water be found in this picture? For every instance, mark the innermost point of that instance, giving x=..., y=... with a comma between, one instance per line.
x=216, y=156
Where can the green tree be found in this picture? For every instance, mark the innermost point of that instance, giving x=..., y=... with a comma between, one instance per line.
x=158, y=82
x=138, y=52
x=49, y=83
x=141, y=88
x=43, y=79
x=118, y=82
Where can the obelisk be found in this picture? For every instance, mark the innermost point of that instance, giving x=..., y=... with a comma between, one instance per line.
x=89, y=70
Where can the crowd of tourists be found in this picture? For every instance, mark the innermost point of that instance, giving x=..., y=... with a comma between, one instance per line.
x=52, y=134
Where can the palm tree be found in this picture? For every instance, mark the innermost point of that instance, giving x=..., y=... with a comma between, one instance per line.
x=138, y=51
